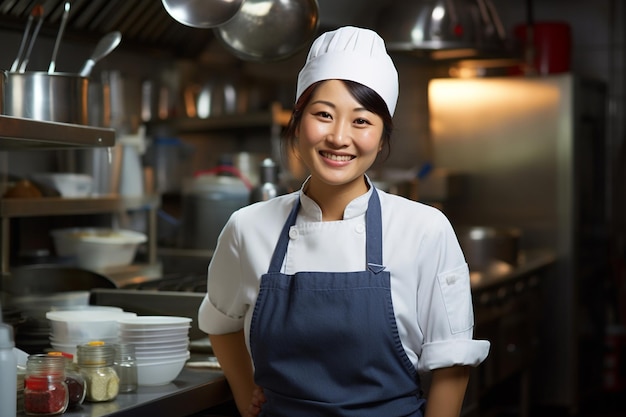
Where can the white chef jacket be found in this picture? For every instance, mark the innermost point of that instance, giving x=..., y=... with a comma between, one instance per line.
x=430, y=285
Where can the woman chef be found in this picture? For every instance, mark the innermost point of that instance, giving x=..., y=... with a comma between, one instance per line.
x=329, y=301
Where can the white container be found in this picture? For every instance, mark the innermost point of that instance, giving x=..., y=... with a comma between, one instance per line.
x=159, y=372
x=83, y=326
x=8, y=372
x=98, y=248
x=67, y=184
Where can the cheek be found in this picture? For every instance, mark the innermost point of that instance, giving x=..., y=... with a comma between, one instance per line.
x=311, y=133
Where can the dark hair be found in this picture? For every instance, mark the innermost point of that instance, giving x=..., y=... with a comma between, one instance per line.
x=367, y=97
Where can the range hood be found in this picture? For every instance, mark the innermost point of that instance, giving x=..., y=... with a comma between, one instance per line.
x=144, y=24
x=443, y=29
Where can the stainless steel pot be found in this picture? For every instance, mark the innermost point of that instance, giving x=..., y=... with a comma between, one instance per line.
x=483, y=246
x=208, y=202
x=57, y=97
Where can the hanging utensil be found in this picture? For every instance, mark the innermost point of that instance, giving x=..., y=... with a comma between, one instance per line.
x=66, y=12
x=39, y=18
x=104, y=47
x=36, y=12
x=269, y=30
x=202, y=13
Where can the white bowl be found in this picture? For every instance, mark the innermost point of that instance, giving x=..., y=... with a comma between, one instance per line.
x=150, y=340
x=162, y=357
x=154, y=322
x=67, y=184
x=85, y=325
x=98, y=248
x=133, y=331
x=183, y=331
x=161, y=347
x=153, y=342
x=159, y=373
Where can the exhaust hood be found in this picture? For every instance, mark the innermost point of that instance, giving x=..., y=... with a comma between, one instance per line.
x=443, y=29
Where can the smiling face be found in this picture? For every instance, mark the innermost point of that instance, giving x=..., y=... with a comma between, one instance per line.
x=338, y=138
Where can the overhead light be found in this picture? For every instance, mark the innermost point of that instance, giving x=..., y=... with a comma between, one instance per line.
x=443, y=29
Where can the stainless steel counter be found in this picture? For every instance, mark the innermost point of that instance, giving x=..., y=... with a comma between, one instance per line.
x=192, y=391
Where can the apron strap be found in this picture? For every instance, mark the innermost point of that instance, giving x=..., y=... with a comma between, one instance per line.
x=283, y=240
x=373, y=237
x=374, y=234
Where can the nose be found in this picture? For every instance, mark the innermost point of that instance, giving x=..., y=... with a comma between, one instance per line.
x=340, y=134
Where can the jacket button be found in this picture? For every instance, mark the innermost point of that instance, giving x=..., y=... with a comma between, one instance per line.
x=293, y=233
x=360, y=228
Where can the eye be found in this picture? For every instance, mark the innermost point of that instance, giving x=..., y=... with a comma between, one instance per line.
x=361, y=121
x=323, y=114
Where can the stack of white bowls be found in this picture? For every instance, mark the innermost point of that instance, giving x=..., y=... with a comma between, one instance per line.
x=70, y=328
x=161, y=346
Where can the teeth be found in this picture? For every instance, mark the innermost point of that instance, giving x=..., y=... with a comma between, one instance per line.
x=336, y=157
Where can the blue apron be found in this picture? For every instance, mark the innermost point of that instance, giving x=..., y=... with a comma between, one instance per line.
x=326, y=343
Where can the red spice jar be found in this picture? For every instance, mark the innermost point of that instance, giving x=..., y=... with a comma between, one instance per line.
x=45, y=391
x=76, y=386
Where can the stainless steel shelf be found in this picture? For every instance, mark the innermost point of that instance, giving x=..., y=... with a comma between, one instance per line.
x=56, y=206
x=19, y=133
x=276, y=116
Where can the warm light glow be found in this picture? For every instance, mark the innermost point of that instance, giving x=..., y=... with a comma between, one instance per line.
x=503, y=106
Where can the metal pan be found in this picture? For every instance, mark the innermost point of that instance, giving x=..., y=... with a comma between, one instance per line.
x=57, y=97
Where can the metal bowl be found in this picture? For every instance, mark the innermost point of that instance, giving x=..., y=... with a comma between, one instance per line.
x=202, y=13
x=269, y=30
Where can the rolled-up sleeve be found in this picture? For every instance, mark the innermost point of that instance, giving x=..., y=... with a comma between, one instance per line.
x=445, y=310
x=223, y=309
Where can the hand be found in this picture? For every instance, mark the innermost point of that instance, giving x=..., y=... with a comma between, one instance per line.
x=258, y=399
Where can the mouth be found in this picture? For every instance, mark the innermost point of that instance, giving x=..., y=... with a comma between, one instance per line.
x=335, y=157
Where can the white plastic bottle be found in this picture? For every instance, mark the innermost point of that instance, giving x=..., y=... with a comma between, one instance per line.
x=8, y=373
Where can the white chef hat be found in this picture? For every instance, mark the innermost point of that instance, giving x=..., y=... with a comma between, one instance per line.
x=355, y=54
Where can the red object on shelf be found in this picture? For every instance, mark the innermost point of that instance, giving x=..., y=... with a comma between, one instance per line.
x=552, y=43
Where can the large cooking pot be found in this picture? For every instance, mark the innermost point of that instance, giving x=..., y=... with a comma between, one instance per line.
x=57, y=97
x=483, y=245
x=209, y=199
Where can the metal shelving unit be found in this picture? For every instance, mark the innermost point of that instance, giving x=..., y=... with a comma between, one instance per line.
x=275, y=116
x=26, y=134
x=19, y=133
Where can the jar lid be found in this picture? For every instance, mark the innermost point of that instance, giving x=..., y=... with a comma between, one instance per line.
x=95, y=354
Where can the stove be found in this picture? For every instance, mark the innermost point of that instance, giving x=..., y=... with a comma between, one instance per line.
x=170, y=295
x=186, y=282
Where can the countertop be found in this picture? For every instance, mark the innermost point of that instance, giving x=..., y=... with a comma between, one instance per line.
x=194, y=390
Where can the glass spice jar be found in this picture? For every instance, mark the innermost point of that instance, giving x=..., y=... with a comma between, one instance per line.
x=45, y=391
x=95, y=361
x=75, y=382
x=125, y=366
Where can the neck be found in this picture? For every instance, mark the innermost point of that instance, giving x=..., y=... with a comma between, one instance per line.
x=333, y=199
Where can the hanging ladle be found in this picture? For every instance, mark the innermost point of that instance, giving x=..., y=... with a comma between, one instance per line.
x=106, y=45
x=66, y=12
